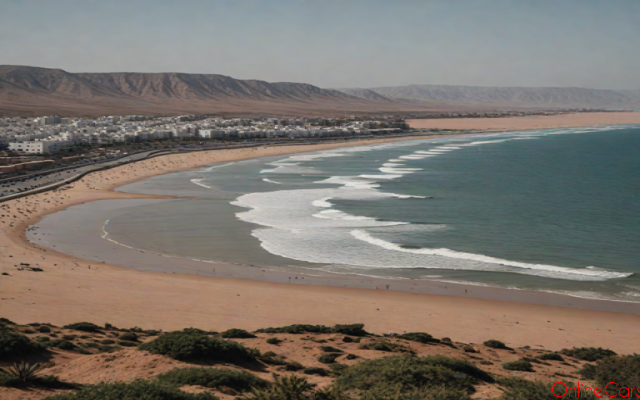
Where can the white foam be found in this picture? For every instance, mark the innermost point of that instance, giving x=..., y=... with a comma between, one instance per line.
x=324, y=202
x=400, y=171
x=550, y=271
x=199, y=183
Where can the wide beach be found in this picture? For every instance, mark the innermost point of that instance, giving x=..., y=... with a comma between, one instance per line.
x=71, y=289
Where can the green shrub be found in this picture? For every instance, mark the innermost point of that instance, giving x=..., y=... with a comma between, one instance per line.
x=588, y=353
x=5, y=321
x=385, y=345
x=129, y=336
x=287, y=388
x=272, y=358
x=519, y=365
x=61, y=344
x=588, y=371
x=15, y=344
x=44, y=329
x=551, y=357
x=496, y=344
x=624, y=370
x=330, y=349
x=329, y=358
x=107, y=341
x=419, y=337
x=213, y=378
x=83, y=326
x=274, y=340
x=316, y=371
x=7, y=380
x=127, y=344
x=297, y=329
x=522, y=389
x=350, y=329
x=293, y=366
x=237, y=334
x=351, y=357
x=142, y=390
x=388, y=376
x=190, y=344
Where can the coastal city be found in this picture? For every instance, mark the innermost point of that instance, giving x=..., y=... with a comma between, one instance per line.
x=39, y=152
x=51, y=134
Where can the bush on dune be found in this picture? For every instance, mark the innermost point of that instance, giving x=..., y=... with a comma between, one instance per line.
x=132, y=391
x=16, y=344
x=519, y=365
x=84, y=326
x=403, y=374
x=624, y=370
x=522, y=389
x=588, y=353
x=551, y=357
x=237, y=334
x=496, y=344
x=348, y=329
x=213, y=378
x=419, y=337
x=192, y=344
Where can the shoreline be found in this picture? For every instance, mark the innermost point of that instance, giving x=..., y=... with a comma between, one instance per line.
x=87, y=243
x=101, y=185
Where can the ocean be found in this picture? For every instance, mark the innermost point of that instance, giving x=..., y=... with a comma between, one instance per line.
x=551, y=210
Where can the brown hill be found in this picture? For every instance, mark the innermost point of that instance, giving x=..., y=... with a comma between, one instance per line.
x=514, y=96
x=41, y=90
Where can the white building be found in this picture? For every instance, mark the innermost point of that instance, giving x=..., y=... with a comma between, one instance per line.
x=39, y=147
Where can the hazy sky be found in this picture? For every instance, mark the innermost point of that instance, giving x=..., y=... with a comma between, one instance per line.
x=342, y=43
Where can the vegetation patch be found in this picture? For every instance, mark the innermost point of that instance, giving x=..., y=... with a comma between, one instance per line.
x=315, y=371
x=551, y=357
x=519, y=365
x=419, y=337
x=386, y=377
x=522, y=389
x=129, y=336
x=16, y=344
x=385, y=345
x=588, y=353
x=237, y=334
x=496, y=344
x=240, y=381
x=349, y=329
x=329, y=358
x=624, y=370
x=134, y=390
x=274, y=341
x=192, y=344
x=331, y=349
x=84, y=326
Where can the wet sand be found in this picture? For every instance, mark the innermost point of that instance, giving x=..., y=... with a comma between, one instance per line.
x=72, y=289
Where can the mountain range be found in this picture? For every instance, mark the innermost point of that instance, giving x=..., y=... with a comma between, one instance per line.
x=35, y=91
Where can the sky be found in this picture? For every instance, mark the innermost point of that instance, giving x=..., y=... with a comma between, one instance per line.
x=336, y=43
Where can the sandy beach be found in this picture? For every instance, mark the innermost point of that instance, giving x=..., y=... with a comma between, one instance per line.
x=71, y=289
x=529, y=122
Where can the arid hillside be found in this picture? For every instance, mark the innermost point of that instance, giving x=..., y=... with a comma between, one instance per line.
x=37, y=91
x=85, y=361
x=514, y=96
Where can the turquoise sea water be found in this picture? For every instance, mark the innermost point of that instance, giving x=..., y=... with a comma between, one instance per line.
x=555, y=210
